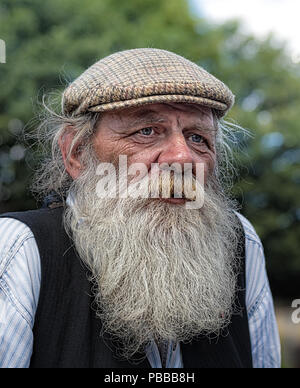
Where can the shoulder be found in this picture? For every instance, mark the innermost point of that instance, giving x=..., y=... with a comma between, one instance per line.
x=41, y=222
x=259, y=301
x=254, y=248
x=250, y=232
x=13, y=234
x=19, y=266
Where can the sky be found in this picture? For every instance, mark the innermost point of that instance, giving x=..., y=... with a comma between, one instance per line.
x=282, y=17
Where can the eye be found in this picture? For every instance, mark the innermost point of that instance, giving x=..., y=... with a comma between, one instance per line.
x=196, y=138
x=146, y=131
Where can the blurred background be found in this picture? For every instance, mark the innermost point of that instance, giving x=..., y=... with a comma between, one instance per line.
x=251, y=46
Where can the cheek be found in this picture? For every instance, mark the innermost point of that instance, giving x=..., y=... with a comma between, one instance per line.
x=209, y=163
x=103, y=148
x=146, y=157
x=109, y=150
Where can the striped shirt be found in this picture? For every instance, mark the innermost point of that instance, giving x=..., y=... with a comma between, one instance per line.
x=20, y=277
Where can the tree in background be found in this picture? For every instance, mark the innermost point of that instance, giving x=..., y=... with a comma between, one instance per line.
x=50, y=43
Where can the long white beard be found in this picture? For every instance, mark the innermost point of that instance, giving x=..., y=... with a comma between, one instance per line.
x=160, y=271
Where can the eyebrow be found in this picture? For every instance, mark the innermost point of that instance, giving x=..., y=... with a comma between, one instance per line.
x=201, y=128
x=145, y=116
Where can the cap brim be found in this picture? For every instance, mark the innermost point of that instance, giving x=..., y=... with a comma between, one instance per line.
x=220, y=108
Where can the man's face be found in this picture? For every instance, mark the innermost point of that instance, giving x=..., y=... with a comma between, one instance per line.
x=159, y=133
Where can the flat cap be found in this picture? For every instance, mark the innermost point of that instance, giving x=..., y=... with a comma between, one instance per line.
x=144, y=76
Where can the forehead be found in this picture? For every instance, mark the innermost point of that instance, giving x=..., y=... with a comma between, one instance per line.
x=163, y=112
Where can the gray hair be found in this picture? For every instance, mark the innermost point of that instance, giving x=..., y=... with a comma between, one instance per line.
x=51, y=175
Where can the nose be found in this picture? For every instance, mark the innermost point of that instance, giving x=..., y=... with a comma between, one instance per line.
x=175, y=150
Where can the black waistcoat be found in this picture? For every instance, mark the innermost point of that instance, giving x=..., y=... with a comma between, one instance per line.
x=66, y=329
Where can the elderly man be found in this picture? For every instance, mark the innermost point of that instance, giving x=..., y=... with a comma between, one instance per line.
x=101, y=277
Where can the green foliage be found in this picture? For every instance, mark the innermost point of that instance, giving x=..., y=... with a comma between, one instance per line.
x=50, y=43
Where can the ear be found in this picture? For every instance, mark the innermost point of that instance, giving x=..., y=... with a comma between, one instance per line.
x=71, y=160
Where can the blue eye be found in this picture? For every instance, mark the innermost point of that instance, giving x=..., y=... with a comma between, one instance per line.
x=197, y=138
x=146, y=131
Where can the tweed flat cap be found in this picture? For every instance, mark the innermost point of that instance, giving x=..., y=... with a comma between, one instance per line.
x=144, y=76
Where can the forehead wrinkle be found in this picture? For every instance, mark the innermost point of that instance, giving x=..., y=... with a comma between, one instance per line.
x=145, y=116
x=121, y=122
x=193, y=108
